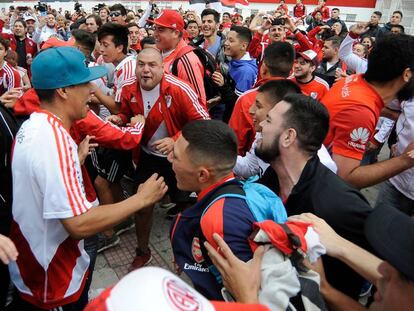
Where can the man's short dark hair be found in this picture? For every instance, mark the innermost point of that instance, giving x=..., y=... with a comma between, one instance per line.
x=279, y=58
x=396, y=51
x=132, y=24
x=336, y=41
x=129, y=19
x=398, y=12
x=211, y=12
x=243, y=33
x=21, y=21
x=5, y=43
x=97, y=19
x=191, y=22
x=118, y=7
x=46, y=95
x=118, y=32
x=147, y=40
x=211, y=141
x=336, y=9
x=400, y=27
x=277, y=89
x=378, y=13
x=85, y=39
x=309, y=118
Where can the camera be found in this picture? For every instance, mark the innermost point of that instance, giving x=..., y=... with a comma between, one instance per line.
x=96, y=8
x=41, y=7
x=78, y=7
x=154, y=12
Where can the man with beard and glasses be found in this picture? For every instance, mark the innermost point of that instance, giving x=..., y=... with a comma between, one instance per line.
x=292, y=134
x=355, y=104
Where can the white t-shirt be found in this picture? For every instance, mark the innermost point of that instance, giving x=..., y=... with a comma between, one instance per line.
x=404, y=181
x=47, y=187
x=149, y=98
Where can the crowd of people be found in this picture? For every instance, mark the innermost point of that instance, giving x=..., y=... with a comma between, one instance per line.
x=255, y=134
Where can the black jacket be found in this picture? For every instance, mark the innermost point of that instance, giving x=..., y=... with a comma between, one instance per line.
x=372, y=31
x=8, y=129
x=328, y=74
x=321, y=192
x=382, y=31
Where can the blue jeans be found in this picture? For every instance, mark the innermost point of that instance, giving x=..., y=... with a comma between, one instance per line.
x=390, y=196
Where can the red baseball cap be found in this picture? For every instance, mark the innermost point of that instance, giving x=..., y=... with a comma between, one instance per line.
x=309, y=55
x=169, y=19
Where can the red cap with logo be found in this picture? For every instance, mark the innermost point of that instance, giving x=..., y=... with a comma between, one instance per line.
x=309, y=55
x=153, y=288
x=169, y=19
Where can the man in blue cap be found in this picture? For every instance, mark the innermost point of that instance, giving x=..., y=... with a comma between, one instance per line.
x=51, y=214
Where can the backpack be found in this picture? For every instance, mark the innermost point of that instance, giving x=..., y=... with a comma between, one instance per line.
x=209, y=64
x=263, y=203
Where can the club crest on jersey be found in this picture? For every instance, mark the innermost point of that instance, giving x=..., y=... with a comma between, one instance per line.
x=196, y=250
x=168, y=99
x=180, y=297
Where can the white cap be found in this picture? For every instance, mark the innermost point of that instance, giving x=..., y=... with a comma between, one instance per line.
x=153, y=289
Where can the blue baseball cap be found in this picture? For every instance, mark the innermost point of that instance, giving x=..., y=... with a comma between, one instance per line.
x=60, y=67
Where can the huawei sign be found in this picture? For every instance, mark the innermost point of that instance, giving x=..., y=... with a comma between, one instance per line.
x=359, y=138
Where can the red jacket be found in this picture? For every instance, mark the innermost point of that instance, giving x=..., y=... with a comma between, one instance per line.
x=324, y=10
x=283, y=7
x=31, y=46
x=299, y=11
x=177, y=105
x=190, y=69
x=259, y=43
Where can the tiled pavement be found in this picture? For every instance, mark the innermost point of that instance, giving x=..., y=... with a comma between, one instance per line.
x=113, y=264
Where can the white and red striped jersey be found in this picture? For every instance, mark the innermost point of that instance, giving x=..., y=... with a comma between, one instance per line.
x=52, y=267
x=124, y=75
x=9, y=78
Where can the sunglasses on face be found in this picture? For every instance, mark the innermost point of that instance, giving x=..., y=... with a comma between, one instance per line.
x=115, y=14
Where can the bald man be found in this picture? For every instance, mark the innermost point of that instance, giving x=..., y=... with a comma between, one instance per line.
x=167, y=104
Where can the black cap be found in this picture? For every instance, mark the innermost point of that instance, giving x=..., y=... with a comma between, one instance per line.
x=391, y=234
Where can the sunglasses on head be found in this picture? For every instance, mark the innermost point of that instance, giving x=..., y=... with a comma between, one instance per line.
x=115, y=14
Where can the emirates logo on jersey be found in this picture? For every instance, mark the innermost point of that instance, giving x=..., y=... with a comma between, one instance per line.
x=181, y=297
x=196, y=250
